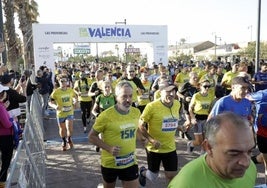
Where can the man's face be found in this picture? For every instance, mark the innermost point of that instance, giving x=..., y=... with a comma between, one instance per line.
x=230, y=156
x=167, y=97
x=213, y=71
x=240, y=90
x=264, y=68
x=130, y=72
x=124, y=98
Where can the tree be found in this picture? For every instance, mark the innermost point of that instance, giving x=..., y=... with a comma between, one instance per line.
x=250, y=51
x=182, y=40
x=10, y=35
x=27, y=13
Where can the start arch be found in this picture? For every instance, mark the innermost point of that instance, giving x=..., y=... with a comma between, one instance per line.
x=45, y=35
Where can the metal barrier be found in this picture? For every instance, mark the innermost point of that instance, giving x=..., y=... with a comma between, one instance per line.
x=27, y=168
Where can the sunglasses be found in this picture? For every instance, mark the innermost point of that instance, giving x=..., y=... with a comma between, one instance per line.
x=206, y=86
x=131, y=71
x=63, y=80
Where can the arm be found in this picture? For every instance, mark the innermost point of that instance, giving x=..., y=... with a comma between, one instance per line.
x=192, y=114
x=52, y=104
x=4, y=120
x=96, y=109
x=94, y=139
x=146, y=135
x=93, y=91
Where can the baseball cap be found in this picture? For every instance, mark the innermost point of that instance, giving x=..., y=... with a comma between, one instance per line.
x=167, y=86
x=3, y=88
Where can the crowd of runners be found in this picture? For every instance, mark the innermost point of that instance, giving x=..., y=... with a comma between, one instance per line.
x=211, y=104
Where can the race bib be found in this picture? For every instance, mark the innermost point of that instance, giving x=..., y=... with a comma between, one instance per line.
x=144, y=96
x=169, y=124
x=84, y=95
x=124, y=160
x=66, y=108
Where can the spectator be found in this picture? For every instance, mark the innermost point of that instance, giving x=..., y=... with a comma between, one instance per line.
x=14, y=98
x=6, y=137
x=42, y=80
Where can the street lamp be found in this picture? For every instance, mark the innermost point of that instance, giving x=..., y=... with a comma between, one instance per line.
x=117, y=48
x=258, y=39
x=250, y=27
x=124, y=22
x=215, y=48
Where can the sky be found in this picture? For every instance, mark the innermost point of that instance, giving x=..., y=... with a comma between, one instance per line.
x=231, y=21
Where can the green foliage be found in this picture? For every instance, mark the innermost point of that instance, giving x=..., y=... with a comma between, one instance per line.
x=181, y=57
x=250, y=51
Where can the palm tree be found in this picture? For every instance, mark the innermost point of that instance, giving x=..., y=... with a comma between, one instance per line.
x=10, y=35
x=182, y=40
x=27, y=13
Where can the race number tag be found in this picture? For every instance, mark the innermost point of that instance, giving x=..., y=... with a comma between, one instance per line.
x=84, y=95
x=66, y=108
x=144, y=96
x=169, y=124
x=124, y=160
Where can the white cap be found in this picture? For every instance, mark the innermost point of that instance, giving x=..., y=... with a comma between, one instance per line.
x=3, y=88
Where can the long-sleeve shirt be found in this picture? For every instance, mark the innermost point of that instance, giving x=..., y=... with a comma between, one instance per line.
x=5, y=124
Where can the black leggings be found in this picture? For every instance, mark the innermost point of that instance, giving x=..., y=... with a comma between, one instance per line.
x=6, y=148
x=86, y=110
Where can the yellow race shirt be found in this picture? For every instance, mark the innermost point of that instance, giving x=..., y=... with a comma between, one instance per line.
x=80, y=85
x=118, y=130
x=202, y=103
x=197, y=69
x=162, y=124
x=181, y=78
x=227, y=78
x=64, y=99
x=144, y=98
x=134, y=98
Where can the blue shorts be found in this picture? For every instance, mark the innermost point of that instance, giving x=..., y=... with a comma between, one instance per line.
x=126, y=174
x=199, y=128
x=63, y=119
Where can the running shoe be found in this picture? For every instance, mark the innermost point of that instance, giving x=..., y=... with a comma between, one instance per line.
x=142, y=178
x=70, y=143
x=64, y=146
x=97, y=149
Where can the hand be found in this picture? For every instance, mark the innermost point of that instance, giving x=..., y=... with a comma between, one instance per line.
x=97, y=92
x=115, y=150
x=188, y=99
x=156, y=144
x=193, y=121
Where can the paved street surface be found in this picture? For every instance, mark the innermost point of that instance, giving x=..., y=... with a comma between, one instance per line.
x=80, y=167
